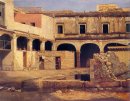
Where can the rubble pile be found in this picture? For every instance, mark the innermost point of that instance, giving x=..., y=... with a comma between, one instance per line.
x=107, y=67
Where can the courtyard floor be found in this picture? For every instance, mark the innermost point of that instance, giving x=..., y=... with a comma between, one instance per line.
x=7, y=76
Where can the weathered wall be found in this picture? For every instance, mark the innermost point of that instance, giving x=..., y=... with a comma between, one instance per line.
x=94, y=24
x=106, y=7
x=18, y=60
x=32, y=60
x=29, y=18
x=6, y=60
x=9, y=13
x=47, y=27
x=67, y=59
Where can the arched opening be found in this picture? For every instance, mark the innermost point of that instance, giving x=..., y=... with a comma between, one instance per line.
x=5, y=41
x=36, y=45
x=5, y=52
x=107, y=47
x=22, y=43
x=48, y=46
x=68, y=47
x=86, y=53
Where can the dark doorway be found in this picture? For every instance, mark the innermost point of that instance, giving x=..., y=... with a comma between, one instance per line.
x=36, y=45
x=5, y=42
x=105, y=28
x=68, y=47
x=106, y=48
x=58, y=62
x=48, y=46
x=41, y=66
x=82, y=77
x=24, y=59
x=22, y=43
x=87, y=51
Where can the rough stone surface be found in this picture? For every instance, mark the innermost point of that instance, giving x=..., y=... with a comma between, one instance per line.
x=107, y=67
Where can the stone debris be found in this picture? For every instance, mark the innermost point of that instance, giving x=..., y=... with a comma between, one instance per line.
x=107, y=67
x=1, y=88
x=59, y=92
x=11, y=89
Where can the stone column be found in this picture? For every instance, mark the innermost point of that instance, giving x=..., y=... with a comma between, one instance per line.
x=29, y=45
x=78, y=58
x=54, y=47
x=42, y=46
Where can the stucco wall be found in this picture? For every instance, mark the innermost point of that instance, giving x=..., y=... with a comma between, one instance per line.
x=32, y=60
x=27, y=28
x=94, y=24
x=29, y=18
x=18, y=60
x=67, y=59
x=48, y=27
x=6, y=60
x=9, y=13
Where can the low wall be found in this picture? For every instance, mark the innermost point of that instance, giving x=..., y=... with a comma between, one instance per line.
x=67, y=59
x=49, y=85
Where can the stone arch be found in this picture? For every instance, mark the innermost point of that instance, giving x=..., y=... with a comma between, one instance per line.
x=5, y=41
x=22, y=43
x=48, y=45
x=106, y=47
x=36, y=44
x=68, y=47
x=86, y=53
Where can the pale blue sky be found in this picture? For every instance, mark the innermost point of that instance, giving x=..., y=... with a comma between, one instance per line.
x=76, y=5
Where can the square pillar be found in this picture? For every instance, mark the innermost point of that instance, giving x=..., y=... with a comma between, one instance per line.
x=29, y=45
x=14, y=43
x=78, y=59
x=14, y=49
x=42, y=46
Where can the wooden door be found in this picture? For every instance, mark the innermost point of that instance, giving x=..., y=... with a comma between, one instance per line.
x=58, y=62
x=24, y=59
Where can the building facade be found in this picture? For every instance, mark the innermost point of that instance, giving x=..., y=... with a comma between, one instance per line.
x=61, y=40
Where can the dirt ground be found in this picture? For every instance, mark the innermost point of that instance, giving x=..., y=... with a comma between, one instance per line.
x=69, y=95
x=64, y=96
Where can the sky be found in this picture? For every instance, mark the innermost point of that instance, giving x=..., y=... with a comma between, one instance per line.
x=75, y=5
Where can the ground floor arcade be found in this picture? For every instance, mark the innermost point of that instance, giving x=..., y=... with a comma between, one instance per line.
x=20, y=50
x=84, y=49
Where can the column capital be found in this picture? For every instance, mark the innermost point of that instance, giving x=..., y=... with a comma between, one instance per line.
x=14, y=36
